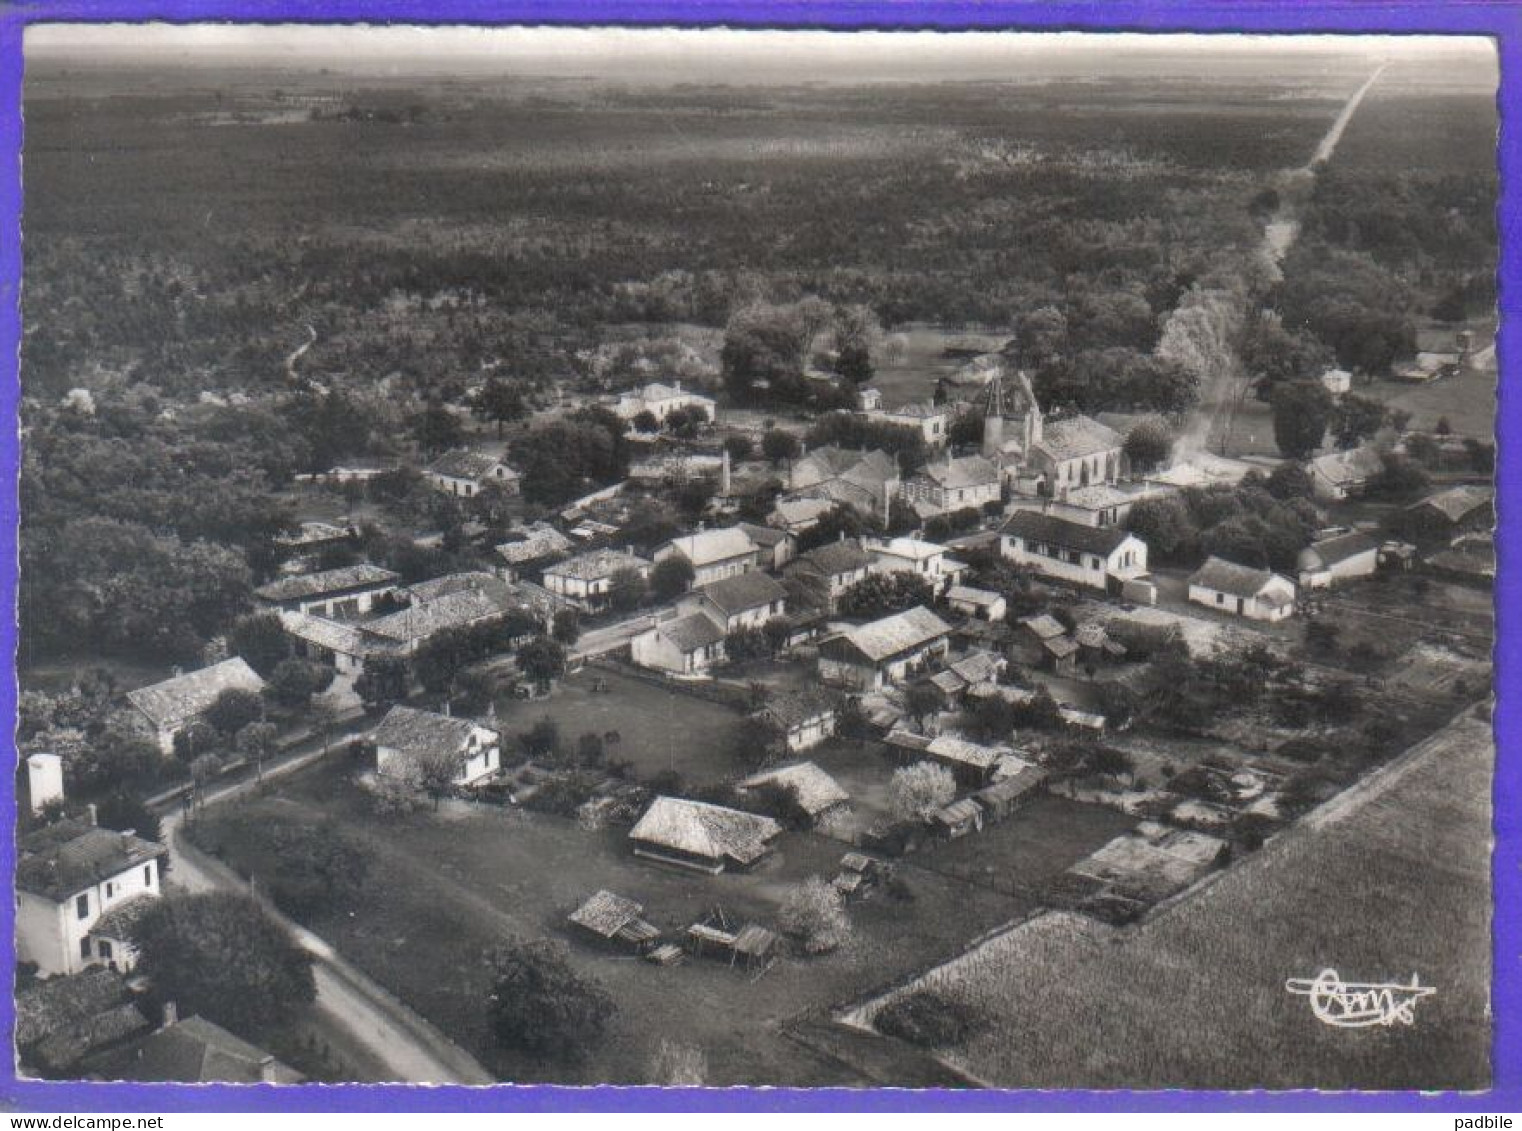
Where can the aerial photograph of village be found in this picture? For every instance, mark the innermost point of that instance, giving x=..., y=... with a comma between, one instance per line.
x=714, y=557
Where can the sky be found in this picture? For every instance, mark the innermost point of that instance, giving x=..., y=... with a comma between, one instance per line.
x=716, y=54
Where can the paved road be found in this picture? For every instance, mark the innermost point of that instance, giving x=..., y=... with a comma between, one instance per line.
x=410, y=1049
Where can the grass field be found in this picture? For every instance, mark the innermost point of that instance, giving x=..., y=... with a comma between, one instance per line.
x=442, y=888
x=1389, y=881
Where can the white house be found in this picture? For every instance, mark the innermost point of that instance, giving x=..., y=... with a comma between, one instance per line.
x=463, y=473
x=1325, y=563
x=351, y=591
x=407, y=738
x=930, y=420
x=984, y=604
x=586, y=578
x=953, y=484
x=832, y=568
x=685, y=645
x=747, y=600
x=805, y=718
x=1342, y=475
x=68, y=875
x=1337, y=381
x=1099, y=504
x=713, y=554
x=884, y=652
x=1099, y=557
x=660, y=401
x=171, y=706
x=928, y=560
x=1257, y=594
x=775, y=547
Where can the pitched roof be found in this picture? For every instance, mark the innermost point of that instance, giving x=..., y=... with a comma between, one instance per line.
x=915, y=549
x=1230, y=578
x=793, y=512
x=689, y=633
x=596, y=565
x=1044, y=625
x=1456, y=503
x=968, y=471
x=463, y=463
x=764, y=536
x=196, y=1051
x=833, y=558
x=1096, y=496
x=817, y=791
x=605, y=913
x=1347, y=468
x=176, y=701
x=1033, y=527
x=742, y=592
x=423, y=734
x=700, y=829
x=64, y=858
x=58, y=1004
x=539, y=541
x=327, y=581
x=335, y=636
x=1077, y=437
x=476, y=581
x=793, y=708
x=1330, y=551
x=972, y=595
x=705, y=547
x=920, y=410
x=422, y=619
x=892, y=635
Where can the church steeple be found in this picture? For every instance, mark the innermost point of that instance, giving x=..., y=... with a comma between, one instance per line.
x=993, y=418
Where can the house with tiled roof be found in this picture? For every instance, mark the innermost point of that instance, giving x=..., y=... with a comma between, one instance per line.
x=69, y=875
x=586, y=579
x=1343, y=475
x=1257, y=594
x=713, y=554
x=804, y=718
x=702, y=837
x=926, y=560
x=1343, y=557
x=884, y=652
x=929, y=420
x=746, y=600
x=794, y=516
x=464, y=474
x=684, y=645
x=407, y=739
x=1076, y=452
x=338, y=593
x=866, y=480
x=971, y=601
x=197, y=1051
x=1097, y=557
x=406, y=630
x=832, y=568
x=535, y=543
x=817, y=792
x=66, y=1024
x=952, y=484
x=661, y=400
x=775, y=546
x=172, y=705
x=1443, y=514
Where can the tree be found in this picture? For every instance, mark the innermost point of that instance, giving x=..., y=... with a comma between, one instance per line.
x=739, y=447
x=1355, y=419
x=541, y=741
x=294, y=682
x=626, y=590
x=317, y=868
x=256, y=743
x=777, y=445
x=1290, y=481
x=382, y=682
x=1148, y=444
x=500, y=403
x=1165, y=525
x=1302, y=411
x=436, y=430
x=671, y=577
x=220, y=955
x=922, y=700
x=435, y=771
x=539, y=1005
x=879, y=594
x=813, y=913
x=125, y=811
x=542, y=660
x=566, y=627
x=645, y=422
x=261, y=640
x=233, y=709
x=919, y=790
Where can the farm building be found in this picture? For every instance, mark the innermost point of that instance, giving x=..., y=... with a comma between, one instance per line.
x=1343, y=475
x=959, y=819
x=975, y=668
x=1098, y=504
x=702, y=837
x=868, y=481
x=1143, y=637
x=343, y=647
x=171, y=706
x=406, y=630
x=984, y=604
x=613, y=919
x=973, y=763
x=310, y=537
x=818, y=794
x=1096, y=557
x=685, y=645
x=713, y=554
x=805, y=718
x=586, y=579
x=1007, y=794
x=1323, y=564
x=1257, y=594
x=66, y=1026
x=464, y=474
x=1444, y=514
x=407, y=738
x=886, y=651
x=751, y=944
x=746, y=600
x=338, y=593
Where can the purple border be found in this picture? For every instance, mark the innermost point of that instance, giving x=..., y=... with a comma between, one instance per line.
x=1501, y=19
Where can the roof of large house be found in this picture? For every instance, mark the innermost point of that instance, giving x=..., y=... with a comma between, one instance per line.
x=794, y=708
x=1232, y=579
x=424, y=734
x=423, y=619
x=68, y=856
x=462, y=463
x=689, y=633
x=473, y=581
x=764, y=536
x=196, y=1051
x=63, y=1020
x=1348, y=467
x=335, y=636
x=596, y=565
x=538, y=541
x=742, y=592
x=1077, y=437
x=882, y=639
x=816, y=790
x=1330, y=551
x=845, y=556
x=701, y=829
x=968, y=471
x=1033, y=527
x=1456, y=503
x=655, y=391
x=176, y=701
x=604, y=913
x=705, y=547
x=915, y=549
x=342, y=580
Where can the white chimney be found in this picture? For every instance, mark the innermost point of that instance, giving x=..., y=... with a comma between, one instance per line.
x=171, y=1014
x=90, y=814
x=267, y=1073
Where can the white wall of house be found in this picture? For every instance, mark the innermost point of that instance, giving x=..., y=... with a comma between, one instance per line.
x=56, y=936
x=993, y=611
x=811, y=732
x=1359, y=565
x=341, y=605
x=1253, y=608
x=656, y=650
x=1079, y=567
x=482, y=755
